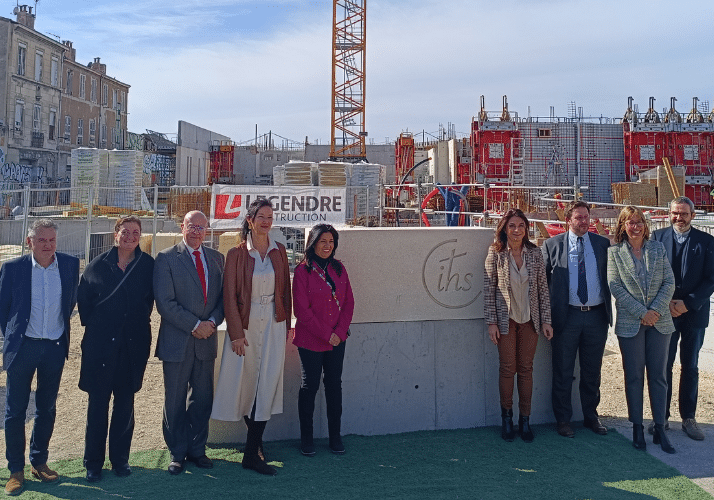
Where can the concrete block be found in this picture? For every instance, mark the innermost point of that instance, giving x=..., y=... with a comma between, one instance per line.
x=166, y=240
x=228, y=240
x=415, y=274
x=145, y=243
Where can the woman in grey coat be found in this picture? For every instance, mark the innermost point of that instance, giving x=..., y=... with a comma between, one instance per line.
x=642, y=283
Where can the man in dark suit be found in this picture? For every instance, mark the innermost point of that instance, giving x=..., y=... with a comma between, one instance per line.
x=576, y=267
x=691, y=254
x=188, y=288
x=38, y=293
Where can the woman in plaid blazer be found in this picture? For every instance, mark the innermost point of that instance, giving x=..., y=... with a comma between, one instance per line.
x=642, y=282
x=517, y=310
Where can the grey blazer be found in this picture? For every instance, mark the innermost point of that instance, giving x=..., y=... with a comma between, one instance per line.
x=179, y=301
x=630, y=300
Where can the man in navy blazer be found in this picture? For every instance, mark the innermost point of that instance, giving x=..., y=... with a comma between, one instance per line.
x=38, y=293
x=691, y=254
x=578, y=326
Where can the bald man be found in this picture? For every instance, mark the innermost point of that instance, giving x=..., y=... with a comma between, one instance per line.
x=188, y=288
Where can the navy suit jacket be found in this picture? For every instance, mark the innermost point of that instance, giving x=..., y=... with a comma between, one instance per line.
x=696, y=284
x=15, y=300
x=555, y=254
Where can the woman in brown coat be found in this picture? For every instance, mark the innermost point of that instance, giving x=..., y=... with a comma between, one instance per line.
x=258, y=306
x=517, y=309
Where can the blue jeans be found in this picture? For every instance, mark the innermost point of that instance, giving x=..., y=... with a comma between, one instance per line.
x=691, y=342
x=46, y=357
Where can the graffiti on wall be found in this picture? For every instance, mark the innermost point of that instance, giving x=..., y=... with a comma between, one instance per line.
x=134, y=141
x=12, y=174
x=162, y=167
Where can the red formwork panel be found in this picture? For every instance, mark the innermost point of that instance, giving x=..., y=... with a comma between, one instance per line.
x=403, y=155
x=491, y=148
x=690, y=148
x=221, y=163
x=644, y=149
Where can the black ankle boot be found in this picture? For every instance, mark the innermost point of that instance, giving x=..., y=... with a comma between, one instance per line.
x=508, y=433
x=638, y=437
x=251, y=459
x=524, y=427
x=661, y=438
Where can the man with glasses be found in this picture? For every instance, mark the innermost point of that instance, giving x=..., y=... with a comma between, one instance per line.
x=188, y=289
x=38, y=293
x=691, y=254
x=576, y=268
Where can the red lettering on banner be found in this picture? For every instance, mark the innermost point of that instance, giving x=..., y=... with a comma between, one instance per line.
x=228, y=206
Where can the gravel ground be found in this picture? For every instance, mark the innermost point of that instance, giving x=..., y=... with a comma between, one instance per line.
x=68, y=437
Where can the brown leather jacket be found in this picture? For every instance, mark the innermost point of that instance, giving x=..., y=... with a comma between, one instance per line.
x=238, y=283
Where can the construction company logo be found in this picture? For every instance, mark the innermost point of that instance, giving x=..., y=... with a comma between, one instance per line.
x=228, y=206
x=448, y=275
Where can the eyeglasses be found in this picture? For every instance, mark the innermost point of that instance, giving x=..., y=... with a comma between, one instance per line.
x=192, y=228
x=635, y=224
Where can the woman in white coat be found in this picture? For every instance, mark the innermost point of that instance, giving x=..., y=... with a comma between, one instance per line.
x=257, y=302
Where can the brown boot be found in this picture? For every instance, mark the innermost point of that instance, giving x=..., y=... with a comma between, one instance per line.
x=15, y=483
x=45, y=474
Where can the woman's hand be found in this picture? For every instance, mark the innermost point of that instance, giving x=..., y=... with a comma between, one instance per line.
x=547, y=331
x=650, y=318
x=334, y=340
x=494, y=334
x=239, y=345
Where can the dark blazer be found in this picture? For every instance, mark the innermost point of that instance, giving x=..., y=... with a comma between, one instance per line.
x=123, y=320
x=555, y=254
x=15, y=300
x=179, y=300
x=697, y=280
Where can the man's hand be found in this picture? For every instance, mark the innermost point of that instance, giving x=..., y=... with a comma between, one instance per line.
x=204, y=330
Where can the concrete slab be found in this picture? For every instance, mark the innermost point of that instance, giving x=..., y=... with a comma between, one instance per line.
x=415, y=274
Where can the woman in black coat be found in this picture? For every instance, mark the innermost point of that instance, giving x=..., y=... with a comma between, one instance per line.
x=115, y=300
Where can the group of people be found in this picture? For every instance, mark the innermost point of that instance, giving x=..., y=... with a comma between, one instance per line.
x=194, y=289
x=662, y=283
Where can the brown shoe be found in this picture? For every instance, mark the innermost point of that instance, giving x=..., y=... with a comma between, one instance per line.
x=565, y=430
x=45, y=474
x=15, y=483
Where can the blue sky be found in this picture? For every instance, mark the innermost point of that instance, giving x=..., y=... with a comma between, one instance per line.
x=229, y=65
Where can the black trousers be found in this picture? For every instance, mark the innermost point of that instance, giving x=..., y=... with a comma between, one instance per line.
x=313, y=365
x=586, y=333
x=121, y=429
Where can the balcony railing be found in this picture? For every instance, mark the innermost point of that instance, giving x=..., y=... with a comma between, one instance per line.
x=38, y=140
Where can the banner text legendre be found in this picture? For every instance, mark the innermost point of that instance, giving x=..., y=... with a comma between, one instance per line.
x=294, y=206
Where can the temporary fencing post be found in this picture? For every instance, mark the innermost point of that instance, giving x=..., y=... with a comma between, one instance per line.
x=26, y=214
x=156, y=208
x=418, y=210
x=381, y=202
x=90, y=200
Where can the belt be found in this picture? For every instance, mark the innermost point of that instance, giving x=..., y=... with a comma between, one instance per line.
x=35, y=339
x=263, y=299
x=585, y=308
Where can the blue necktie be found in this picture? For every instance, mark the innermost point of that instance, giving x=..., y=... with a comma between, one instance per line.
x=582, y=277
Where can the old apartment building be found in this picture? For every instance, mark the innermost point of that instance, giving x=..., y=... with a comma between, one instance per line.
x=50, y=104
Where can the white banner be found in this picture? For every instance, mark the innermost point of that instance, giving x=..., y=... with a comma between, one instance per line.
x=294, y=206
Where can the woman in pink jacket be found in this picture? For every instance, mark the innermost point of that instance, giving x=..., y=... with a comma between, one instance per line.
x=323, y=306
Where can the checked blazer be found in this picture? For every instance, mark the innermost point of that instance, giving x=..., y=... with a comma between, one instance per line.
x=630, y=300
x=497, y=289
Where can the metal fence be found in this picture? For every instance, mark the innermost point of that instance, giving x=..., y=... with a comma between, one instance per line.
x=86, y=215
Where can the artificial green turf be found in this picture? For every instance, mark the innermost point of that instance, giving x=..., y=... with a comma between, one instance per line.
x=467, y=463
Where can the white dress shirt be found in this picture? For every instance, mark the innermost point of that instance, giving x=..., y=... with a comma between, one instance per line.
x=46, y=320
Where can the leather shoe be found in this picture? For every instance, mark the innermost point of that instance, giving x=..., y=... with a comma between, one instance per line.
x=690, y=427
x=94, y=475
x=122, y=470
x=176, y=468
x=595, y=426
x=202, y=462
x=650, y=428
x=565, y=430
x=15, y=484
x=256, y=464
x=45, y=474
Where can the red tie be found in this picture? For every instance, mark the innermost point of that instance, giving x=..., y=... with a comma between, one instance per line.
x=201, y=274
